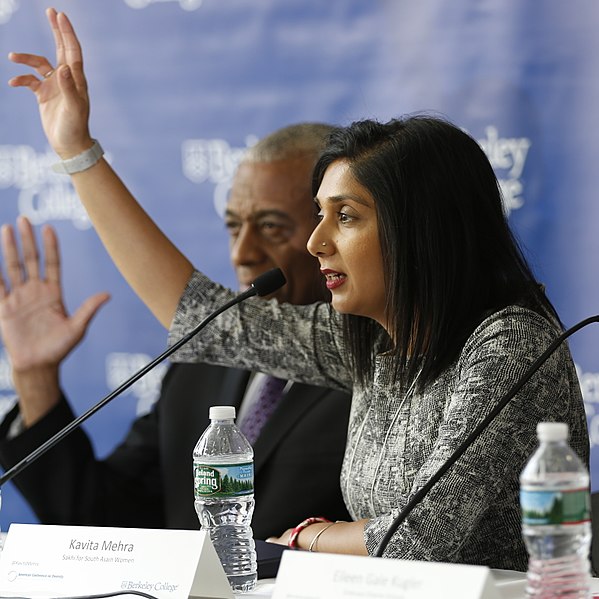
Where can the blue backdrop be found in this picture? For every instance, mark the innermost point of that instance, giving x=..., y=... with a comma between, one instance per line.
x=180, y=87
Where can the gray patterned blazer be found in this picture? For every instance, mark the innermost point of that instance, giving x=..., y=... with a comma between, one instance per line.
x=398, y=438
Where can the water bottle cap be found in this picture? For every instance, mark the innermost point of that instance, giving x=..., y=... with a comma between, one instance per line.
x=552, y=431
x=222, y=413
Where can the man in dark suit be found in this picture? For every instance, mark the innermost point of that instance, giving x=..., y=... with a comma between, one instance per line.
x=147, y=480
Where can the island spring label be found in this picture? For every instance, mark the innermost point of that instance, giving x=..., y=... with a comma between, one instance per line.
x=550, y=507
x=223, y=480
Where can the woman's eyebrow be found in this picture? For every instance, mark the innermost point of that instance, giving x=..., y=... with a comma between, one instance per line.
x=344, y=197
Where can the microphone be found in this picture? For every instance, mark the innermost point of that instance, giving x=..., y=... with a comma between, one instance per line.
x=265, y=284
x=268, y=282
x=453, y=458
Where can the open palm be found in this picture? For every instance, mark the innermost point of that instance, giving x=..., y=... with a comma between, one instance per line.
x=35, y=327
x=61, y=90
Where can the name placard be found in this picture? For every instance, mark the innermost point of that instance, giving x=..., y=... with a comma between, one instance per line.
x=324, y=575
x=44, y=560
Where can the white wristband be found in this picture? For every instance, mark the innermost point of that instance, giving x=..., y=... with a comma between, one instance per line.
x=81, y=162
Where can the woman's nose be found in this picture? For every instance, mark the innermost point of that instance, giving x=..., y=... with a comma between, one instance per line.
x=317, y=244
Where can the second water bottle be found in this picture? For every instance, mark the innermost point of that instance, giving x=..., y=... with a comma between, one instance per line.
x=554, y=494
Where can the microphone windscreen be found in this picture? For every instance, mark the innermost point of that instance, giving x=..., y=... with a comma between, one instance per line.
x=269, y=282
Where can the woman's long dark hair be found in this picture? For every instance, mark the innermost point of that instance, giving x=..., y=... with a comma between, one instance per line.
x=449, y=256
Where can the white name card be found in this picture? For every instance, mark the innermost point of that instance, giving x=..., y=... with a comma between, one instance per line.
x=324, y=575
x=44, y=560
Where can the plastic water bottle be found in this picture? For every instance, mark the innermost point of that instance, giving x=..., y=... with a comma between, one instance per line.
x=555, y=501
x=223, y=469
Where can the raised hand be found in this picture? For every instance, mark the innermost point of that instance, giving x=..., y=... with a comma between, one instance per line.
x=35, y=327
x=131, y=237
x=61, y=90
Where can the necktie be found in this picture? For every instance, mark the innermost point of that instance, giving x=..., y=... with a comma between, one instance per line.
x=260, y=411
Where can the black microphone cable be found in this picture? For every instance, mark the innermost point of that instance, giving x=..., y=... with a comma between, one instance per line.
x=422, y=492
x=265, y=284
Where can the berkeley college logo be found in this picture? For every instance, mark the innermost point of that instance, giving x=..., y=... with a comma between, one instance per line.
x=589, y=384
x=7, y=9
x=507, y=156
x=120, y=366
x=185, y=4
x=43, y=194
x=215, y=161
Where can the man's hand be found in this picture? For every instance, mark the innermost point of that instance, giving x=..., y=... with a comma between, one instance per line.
x=35, y=328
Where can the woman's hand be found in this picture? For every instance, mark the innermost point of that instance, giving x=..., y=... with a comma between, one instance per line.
x=61, y=90
x=282, y=540
x=154, y=267
x=328, y=537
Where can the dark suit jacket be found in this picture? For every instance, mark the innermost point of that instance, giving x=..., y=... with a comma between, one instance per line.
x=147, y=481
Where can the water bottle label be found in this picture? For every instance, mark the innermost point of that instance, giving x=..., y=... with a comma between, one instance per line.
x=555, y=507
x=223, y=480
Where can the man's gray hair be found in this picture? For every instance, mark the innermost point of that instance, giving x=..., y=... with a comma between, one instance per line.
x=289, y=142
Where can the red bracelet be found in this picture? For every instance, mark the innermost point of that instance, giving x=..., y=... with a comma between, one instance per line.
x=292, y=542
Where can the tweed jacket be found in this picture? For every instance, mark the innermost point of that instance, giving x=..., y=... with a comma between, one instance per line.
x=399, y=437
